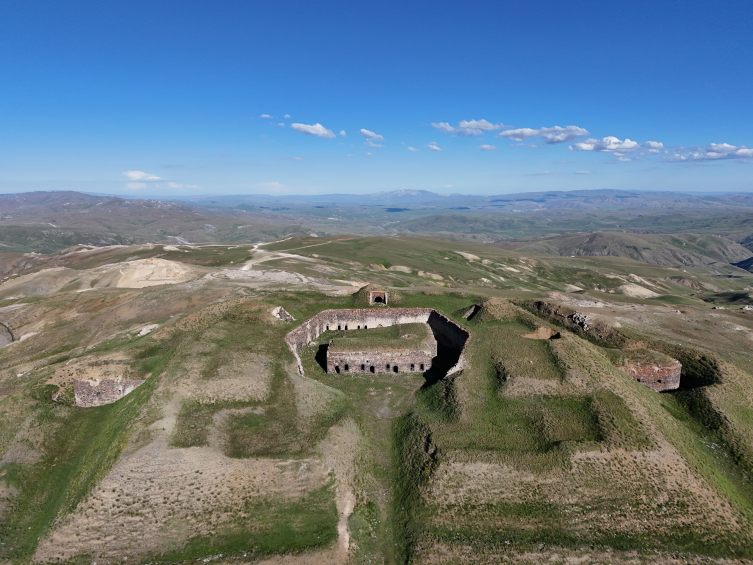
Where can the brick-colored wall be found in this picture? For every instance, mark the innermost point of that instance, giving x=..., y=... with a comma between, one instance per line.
x=658, y=376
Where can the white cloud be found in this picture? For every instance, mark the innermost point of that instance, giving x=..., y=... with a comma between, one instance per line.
x=433, y=146
x=532, y=145
x=552, y=135
x=316, y=129
x=714, y=152
x=370, y=143
x=608, y=144
x=582, y=172
x=413, y=149
x=266, y=116
x=654, y=144
x=369, y=153
x=444, y=126
x=487, y=147
x=281, y=125
x=624, y=159
x=371, y=136
x=140, y=175
x=136, y=185
x=468, y=127
x=286, y=116
x=342, y=132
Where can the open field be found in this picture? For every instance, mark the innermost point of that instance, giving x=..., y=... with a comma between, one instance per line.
x=540, y=449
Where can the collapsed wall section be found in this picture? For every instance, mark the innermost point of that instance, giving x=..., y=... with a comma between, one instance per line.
x=106, y=391
x=657, y=375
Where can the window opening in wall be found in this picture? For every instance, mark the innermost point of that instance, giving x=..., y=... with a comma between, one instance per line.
x=363, y=367
x=327, y=328
x=412, y=367
x=339, y=327
x=394, y=368
x=659, y=381
x=346, y=326
x=346, y=368
x=422, y=366
x=387, y=366
x=378, y=299
x=372, y=369
x=337, y=368
x=366, y=327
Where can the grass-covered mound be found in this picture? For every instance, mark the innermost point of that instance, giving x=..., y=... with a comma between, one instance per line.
x=399, y=337
x=622, y=358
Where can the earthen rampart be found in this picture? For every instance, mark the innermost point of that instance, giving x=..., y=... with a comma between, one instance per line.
x=450, y=336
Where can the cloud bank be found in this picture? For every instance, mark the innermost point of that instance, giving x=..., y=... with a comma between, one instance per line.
x=552, y=135
x=467, y=128
x=713, y=152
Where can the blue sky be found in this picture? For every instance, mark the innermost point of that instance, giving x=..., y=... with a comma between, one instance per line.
x=165, y=98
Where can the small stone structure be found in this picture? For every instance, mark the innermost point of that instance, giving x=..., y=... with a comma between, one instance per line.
x=402, y=355
x=105, y=391
x=449, y=336
x=653, y=369
x=472, y=311
x=281, y=314
x=377, y=297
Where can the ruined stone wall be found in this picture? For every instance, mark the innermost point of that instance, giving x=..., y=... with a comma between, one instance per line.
x=658, y=376
x=385, y=361
x=106, y=391
x=447, y=333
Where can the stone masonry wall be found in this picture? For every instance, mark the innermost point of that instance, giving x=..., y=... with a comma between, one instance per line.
x=448, y=334
x=658, y=376
x=386, y=361
x=106, y=391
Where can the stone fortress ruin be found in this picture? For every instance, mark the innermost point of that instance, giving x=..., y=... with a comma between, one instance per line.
x=445, y=341
x=399, y=348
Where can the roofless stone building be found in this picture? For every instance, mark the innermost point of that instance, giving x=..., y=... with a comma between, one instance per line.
x=449, y=339
x=400, y=348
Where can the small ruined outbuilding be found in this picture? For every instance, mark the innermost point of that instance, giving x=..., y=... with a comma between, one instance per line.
x=399, y=348
x=281, y=314
x=653, y=369
x=377, y=297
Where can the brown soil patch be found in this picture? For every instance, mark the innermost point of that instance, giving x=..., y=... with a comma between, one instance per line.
x=543, y=333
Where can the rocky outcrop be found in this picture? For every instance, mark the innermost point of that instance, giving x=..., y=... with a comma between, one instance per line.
x=106, y=391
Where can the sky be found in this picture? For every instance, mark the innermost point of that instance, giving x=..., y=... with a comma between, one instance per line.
x=176, y=98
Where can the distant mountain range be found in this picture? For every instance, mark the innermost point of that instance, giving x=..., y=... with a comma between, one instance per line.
x=605, y=199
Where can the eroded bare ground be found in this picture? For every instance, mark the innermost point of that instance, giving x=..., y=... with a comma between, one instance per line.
x=439, y=553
